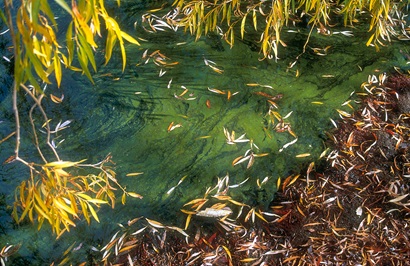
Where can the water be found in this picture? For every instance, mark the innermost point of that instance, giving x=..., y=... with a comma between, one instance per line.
x=128, y=115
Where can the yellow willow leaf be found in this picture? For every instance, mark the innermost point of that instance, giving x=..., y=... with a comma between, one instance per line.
x=93, y=213
x=97, y=201
x=62, y=164
x=254, y=19
x=57, y=69
x=59, y=204
x=155, y=223
x=134, y=174
x=41, y=213
x=243, y=25
x=134, y=195
x=40, y=202
x=129, y=38
x=195, y=201
x=261, y=217
x=85, y=211
x=84, y=196
x=188, y=219
x=370, y=39
x=38, y=68
x=26, y=210
x=227, y=252
x=123, y=198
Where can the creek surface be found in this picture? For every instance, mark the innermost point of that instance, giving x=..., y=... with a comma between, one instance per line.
x=128, y=115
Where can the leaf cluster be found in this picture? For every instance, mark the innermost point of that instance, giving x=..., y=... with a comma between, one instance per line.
x=39, y=53
x=202, y=16
x=58, y=197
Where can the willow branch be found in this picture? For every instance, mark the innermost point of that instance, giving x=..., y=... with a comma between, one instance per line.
x=38, y=104
x=35, y=132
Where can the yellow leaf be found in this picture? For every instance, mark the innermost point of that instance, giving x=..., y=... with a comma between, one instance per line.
x=84, y=210
x=155, y=223
x=93, y=213
x=134, y=195
x=97, y=201
x=370, y=40
x=62, y=164
x=129, y=38
x=41, y=213
x=188, y=219
x=134, y=174
x=254, y=19
x=63, y=206
x=123, y=198
x=84, y=196
x=243, y=25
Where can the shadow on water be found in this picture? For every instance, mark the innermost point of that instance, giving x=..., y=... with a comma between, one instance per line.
x=129, y=115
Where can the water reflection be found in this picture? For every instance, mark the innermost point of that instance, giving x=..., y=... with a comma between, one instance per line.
x=128, y=115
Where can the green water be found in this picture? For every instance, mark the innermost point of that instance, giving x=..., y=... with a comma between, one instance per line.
x=128, y=114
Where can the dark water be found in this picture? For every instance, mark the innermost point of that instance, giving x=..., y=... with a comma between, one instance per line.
x=128, y=115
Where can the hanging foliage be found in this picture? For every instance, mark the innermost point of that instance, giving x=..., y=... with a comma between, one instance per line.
x=268, y=18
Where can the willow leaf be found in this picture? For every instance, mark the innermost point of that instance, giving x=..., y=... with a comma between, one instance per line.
x=38, y=68
x=57, y=69
x=109, y=46
x=88, y=52
x=70, y=43
x=45, y=7
x=63, y=164
x=85, y=211
x=82, y=59
x=41, y=214
x=97, y=201
x=129, y=38
x=243, y=25
x=64, y=5
x=35, y=8
x=60, y=204
x=84, y=196
x=23, y=215
x=93, y=213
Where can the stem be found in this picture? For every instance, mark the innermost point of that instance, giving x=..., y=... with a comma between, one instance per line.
x=38, y=103
x=7, y=6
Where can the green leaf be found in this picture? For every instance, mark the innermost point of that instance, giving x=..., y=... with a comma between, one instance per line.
x=82, y=58
x=45, y=7
x=70, y=43
x=64, y=5
x=88, y=52
x=111, y=39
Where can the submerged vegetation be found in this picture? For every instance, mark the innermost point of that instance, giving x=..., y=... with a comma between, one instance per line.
x=351, y=210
